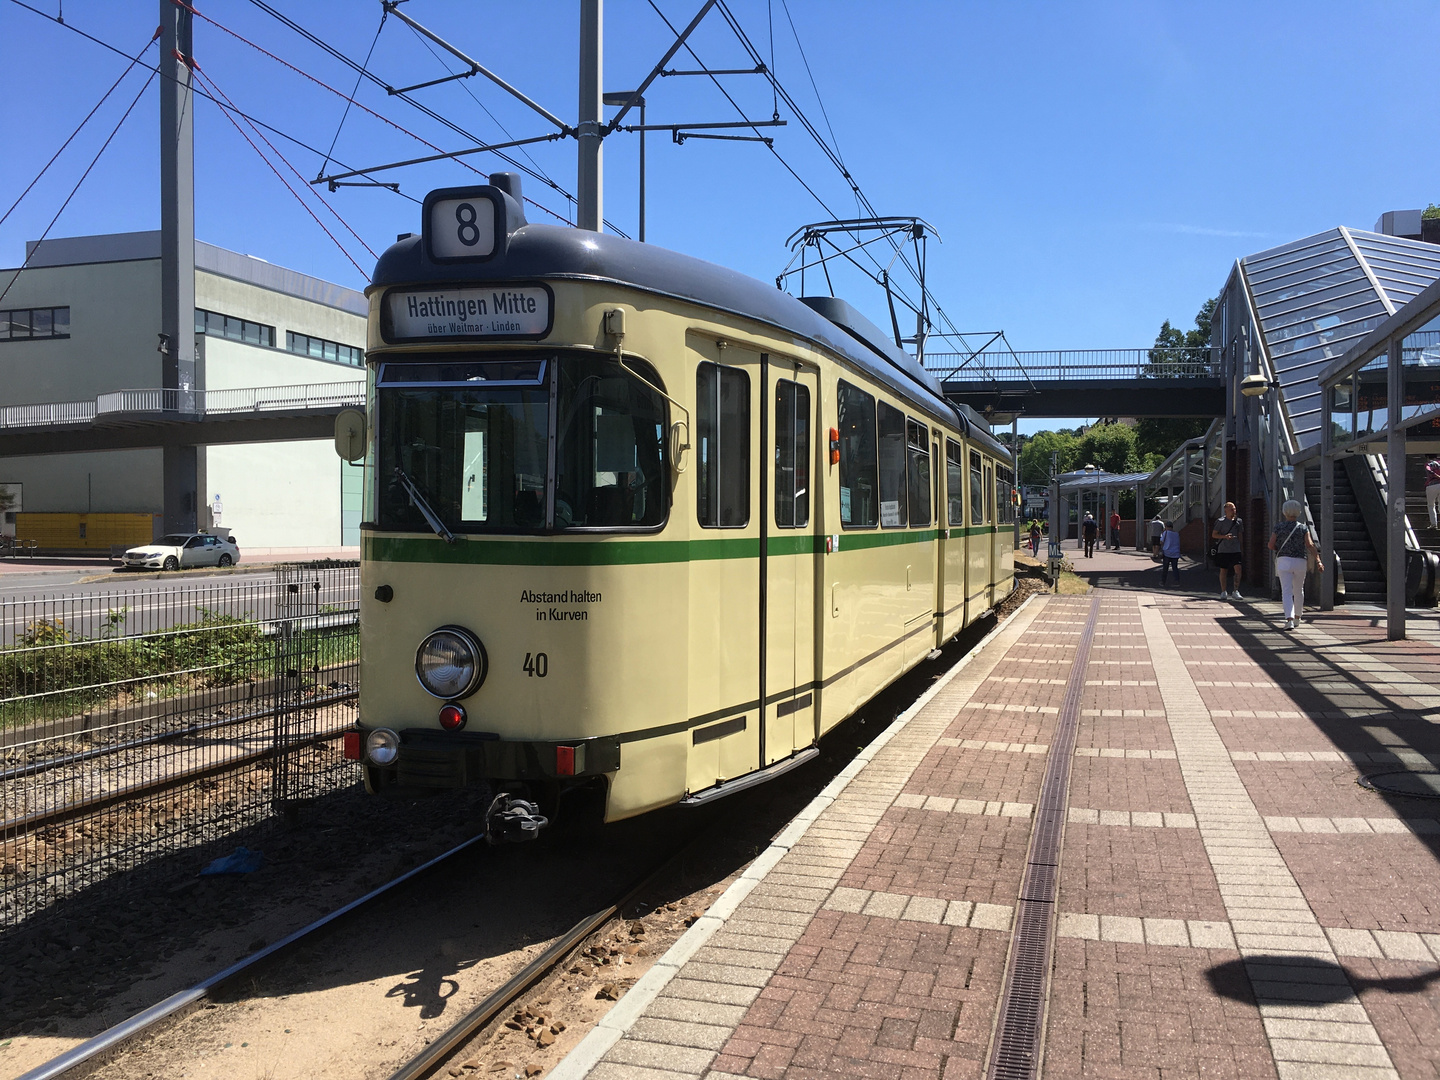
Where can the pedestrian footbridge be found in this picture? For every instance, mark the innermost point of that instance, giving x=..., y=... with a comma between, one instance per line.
x=1169, y=382
x=151, y=417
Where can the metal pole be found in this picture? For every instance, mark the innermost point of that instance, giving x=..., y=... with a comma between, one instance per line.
x=1395, y=459
x=1327, y=500
x=642, y=171
x=589, y=198
x=1272, y=481
x=1054, y=541
x=1139, y=516
x=1015, y=484
x=177, y=258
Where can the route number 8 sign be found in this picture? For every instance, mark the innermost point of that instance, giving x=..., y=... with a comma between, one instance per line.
x=462, y=228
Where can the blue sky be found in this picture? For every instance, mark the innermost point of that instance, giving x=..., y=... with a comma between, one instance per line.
x=1092, y=168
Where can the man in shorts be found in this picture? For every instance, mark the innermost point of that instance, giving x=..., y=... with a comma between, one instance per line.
x=1228, y=531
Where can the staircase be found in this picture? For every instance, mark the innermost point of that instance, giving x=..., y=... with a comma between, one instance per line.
x=1364, y=576
x=1415, y=502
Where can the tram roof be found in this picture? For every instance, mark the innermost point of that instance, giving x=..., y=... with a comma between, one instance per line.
x=556, y=252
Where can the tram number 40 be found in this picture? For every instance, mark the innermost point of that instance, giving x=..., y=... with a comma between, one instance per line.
x=537, y=666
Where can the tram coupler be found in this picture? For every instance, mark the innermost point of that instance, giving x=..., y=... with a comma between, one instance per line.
x=513, y=821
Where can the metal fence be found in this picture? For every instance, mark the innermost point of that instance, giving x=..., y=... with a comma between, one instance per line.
x=139, y=723
x=1060, y=364
x=150, y=400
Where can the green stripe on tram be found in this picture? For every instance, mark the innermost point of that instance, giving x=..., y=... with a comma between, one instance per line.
x=613, y=551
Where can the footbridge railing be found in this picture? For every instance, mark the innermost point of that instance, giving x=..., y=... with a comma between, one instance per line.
x=1059, y=365
x=150, y=401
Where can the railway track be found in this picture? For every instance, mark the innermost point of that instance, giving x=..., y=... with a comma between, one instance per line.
x=478, y=1024
x=94, y=1052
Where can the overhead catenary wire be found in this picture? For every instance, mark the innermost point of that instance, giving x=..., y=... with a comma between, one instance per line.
x=361, y=75
x=103, y=98
x=216, y=88
x=320, y=43
x=104, y=146
x=201, y=92
x=282, y=180
x=835, y=159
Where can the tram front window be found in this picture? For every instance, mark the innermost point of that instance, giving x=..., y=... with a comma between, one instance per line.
x=473, y=438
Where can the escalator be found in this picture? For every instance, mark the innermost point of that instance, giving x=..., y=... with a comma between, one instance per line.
x=1360, y=527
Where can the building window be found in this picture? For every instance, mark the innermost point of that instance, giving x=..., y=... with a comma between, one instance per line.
x=227, y=326
x=722, y=421
x=321, y=349
x=792, y=455
x=858, y=482
x=30, y=324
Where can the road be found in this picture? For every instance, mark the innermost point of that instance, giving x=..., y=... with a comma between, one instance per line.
x=91, y=603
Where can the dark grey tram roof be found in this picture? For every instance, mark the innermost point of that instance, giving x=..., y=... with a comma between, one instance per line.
x=560, y=252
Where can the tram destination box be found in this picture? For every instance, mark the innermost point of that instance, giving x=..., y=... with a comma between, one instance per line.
x=490, y=311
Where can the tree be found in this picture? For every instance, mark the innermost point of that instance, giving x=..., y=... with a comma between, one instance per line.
x=1110, y=447
x=1173, y=356
x=1175, y=353
x=1035, y=455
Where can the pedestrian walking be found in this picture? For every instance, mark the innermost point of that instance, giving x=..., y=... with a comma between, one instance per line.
x=1228, y=533
x=1432, y=491
x=1034, y=539
x=1294, y=546
x=1115, y=529
x=1089, y=530
x=1169, y=553
x=1157, y=528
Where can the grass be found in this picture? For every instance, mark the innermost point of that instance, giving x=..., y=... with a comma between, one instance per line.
x=48, y=673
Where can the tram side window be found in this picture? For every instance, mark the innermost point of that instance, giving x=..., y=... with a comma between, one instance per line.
x=792, y=455
x=977, y=490
x=858, y=481
x=722, y=422
x=955, y=481
x=918, y=471
x=892, y=466
x=989, y=494
x=1004, y=497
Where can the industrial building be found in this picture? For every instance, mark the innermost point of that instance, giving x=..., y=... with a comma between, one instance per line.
x=83, y=320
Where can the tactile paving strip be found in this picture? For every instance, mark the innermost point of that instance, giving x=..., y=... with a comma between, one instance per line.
x=1015, y=1049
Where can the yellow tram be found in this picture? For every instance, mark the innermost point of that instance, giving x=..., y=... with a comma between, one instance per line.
x=639, y=529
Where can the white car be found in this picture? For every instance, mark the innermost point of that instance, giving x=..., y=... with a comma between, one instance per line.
x=184, y=550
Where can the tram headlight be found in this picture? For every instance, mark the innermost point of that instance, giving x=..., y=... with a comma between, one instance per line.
x=382, y=746
x=450, y=663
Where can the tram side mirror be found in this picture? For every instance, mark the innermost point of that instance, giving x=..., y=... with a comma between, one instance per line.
x=679, y=443
x=350, y=434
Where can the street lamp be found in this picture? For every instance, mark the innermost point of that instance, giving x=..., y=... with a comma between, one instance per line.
x=621, y=99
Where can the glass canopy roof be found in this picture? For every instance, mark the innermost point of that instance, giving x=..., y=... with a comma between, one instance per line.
x=1315, y=297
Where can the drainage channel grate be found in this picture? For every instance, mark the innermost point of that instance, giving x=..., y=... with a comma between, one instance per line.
x=1015, y=1052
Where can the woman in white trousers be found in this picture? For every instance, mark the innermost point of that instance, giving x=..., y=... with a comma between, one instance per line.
x=1291, y=541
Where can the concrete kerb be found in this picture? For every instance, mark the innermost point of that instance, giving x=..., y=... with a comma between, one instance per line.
x=619, y=1020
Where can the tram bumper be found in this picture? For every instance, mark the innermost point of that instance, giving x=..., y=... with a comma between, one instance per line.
x=430, y=759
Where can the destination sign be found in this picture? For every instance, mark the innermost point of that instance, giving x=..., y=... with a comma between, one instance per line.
x=504, y=311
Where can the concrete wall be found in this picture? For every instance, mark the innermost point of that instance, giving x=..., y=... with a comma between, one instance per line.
x=114, y=331
x=281, y=495
x=113, y=482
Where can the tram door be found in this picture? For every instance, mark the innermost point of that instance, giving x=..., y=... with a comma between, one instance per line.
x=790, y=551
x=937, y=502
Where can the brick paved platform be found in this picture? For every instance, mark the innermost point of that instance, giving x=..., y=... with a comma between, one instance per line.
x=1231, y=902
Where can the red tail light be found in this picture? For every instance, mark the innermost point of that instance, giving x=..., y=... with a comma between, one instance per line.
x=452, y=717
x=352, y=745
x=564, y=761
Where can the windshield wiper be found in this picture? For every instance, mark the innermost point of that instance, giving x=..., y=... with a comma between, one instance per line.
x=431, y=518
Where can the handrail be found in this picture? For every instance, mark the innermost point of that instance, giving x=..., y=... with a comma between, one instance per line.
x=151, y=400
x=1154, y=362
